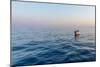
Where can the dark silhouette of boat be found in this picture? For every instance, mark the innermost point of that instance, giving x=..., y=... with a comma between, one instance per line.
x=76, y=34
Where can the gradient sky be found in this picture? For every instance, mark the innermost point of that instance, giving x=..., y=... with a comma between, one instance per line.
x=44, y=14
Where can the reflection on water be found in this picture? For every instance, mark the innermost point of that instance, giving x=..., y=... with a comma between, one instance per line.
x=34, y=48
x=77, y=37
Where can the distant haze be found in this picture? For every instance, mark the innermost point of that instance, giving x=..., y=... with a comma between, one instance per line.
x=41, y=15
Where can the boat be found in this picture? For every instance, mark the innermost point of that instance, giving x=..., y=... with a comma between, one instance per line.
x=76, y=33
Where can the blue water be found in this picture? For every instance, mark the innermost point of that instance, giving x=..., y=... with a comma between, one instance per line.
x=51, y=47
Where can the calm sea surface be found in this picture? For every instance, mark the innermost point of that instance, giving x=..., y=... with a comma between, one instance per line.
x=51, y=46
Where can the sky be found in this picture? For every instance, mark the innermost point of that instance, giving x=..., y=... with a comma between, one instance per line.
x=51, y=15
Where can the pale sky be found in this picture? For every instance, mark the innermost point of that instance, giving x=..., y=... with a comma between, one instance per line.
x=44, y=14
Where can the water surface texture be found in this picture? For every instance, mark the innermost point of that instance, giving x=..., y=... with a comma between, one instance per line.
x=51, y=47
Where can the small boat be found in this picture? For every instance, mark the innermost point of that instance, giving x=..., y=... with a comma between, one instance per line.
x=76, y=33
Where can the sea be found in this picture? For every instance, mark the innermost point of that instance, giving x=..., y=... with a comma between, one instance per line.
x=51, y=46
